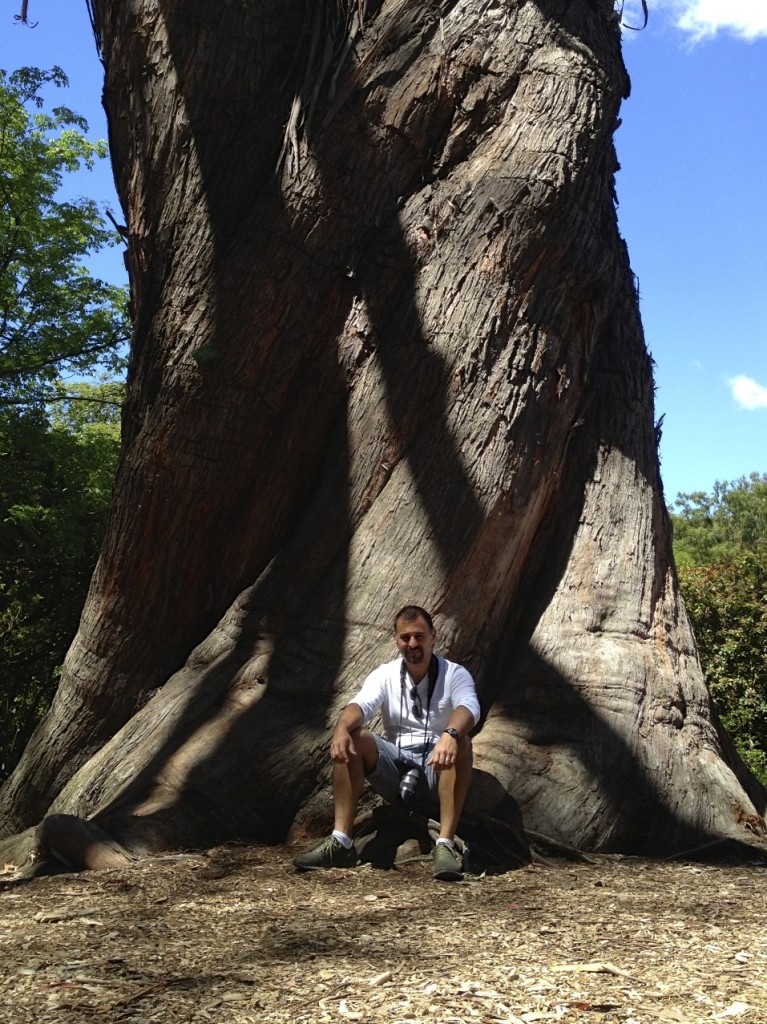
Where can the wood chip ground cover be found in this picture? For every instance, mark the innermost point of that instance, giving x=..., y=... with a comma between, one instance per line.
x=238, y=937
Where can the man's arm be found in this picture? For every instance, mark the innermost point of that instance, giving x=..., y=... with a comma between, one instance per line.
x=463, y=692
x=341, y=742
x=445, y=750
x=358, y=711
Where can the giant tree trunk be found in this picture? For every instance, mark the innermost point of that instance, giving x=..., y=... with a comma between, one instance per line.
x=399, y=359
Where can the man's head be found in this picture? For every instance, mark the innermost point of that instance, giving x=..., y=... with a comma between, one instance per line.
x=415, y=636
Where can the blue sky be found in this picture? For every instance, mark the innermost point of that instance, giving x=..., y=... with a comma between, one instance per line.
x=693, y=209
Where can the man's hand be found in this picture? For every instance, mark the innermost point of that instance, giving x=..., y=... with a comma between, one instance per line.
x=342, y=745
x=342, y=748
x=444, y=753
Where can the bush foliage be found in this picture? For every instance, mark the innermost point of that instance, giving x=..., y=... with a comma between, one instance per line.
x=720, y=543
x=710, y=528
x=55, y=487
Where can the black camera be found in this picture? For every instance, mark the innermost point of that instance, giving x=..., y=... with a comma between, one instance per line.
x=409, y=784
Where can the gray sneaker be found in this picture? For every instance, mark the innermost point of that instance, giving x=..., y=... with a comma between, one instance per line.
x=448, y=863
x=329, y=854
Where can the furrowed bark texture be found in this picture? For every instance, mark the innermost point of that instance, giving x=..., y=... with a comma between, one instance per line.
x=408, y=366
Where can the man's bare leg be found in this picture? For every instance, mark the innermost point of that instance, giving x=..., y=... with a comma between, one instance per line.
x=349, y=780
x=453, y=790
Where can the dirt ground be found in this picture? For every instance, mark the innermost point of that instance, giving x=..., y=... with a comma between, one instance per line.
x=237, y=936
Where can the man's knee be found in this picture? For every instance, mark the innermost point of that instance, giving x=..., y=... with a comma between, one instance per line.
x=365, y=745
x=460, y=772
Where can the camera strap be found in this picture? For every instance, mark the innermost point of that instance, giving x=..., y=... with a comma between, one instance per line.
x=433, y=675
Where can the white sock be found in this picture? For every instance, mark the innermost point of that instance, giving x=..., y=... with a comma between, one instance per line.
x=343, y=839
x=445, y=842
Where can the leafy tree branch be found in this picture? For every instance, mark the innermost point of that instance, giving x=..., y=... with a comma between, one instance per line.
x=63, y=334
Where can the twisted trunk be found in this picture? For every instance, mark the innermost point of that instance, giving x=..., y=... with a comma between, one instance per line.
x=408, y=365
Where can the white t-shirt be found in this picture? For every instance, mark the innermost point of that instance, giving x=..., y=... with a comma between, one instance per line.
x=382, y=690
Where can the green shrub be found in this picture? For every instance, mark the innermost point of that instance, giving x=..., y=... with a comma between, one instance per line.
x=727, y=603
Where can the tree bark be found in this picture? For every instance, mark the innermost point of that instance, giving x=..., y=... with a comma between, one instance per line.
x=391, y=353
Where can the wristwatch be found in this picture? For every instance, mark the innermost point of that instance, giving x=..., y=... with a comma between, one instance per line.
x=454, y=733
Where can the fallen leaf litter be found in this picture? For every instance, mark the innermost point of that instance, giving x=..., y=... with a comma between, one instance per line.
x=236, y=936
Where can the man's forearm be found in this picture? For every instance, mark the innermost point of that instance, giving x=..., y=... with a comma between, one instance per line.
x=461, y=719
x=351, y=718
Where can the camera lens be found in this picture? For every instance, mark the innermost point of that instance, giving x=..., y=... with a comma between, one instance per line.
x=409, y=784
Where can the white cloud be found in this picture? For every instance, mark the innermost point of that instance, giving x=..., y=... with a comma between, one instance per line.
x=702, y=19
x=747, y=393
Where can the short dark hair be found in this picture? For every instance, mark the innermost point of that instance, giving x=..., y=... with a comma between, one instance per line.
x=411, y=612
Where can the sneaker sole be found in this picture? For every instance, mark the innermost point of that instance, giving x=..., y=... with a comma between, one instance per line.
x=448, y=876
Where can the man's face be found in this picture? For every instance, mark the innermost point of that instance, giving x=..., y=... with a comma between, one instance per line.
x=415, y=641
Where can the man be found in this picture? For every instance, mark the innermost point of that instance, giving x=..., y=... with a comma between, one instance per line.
x=428, y=706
